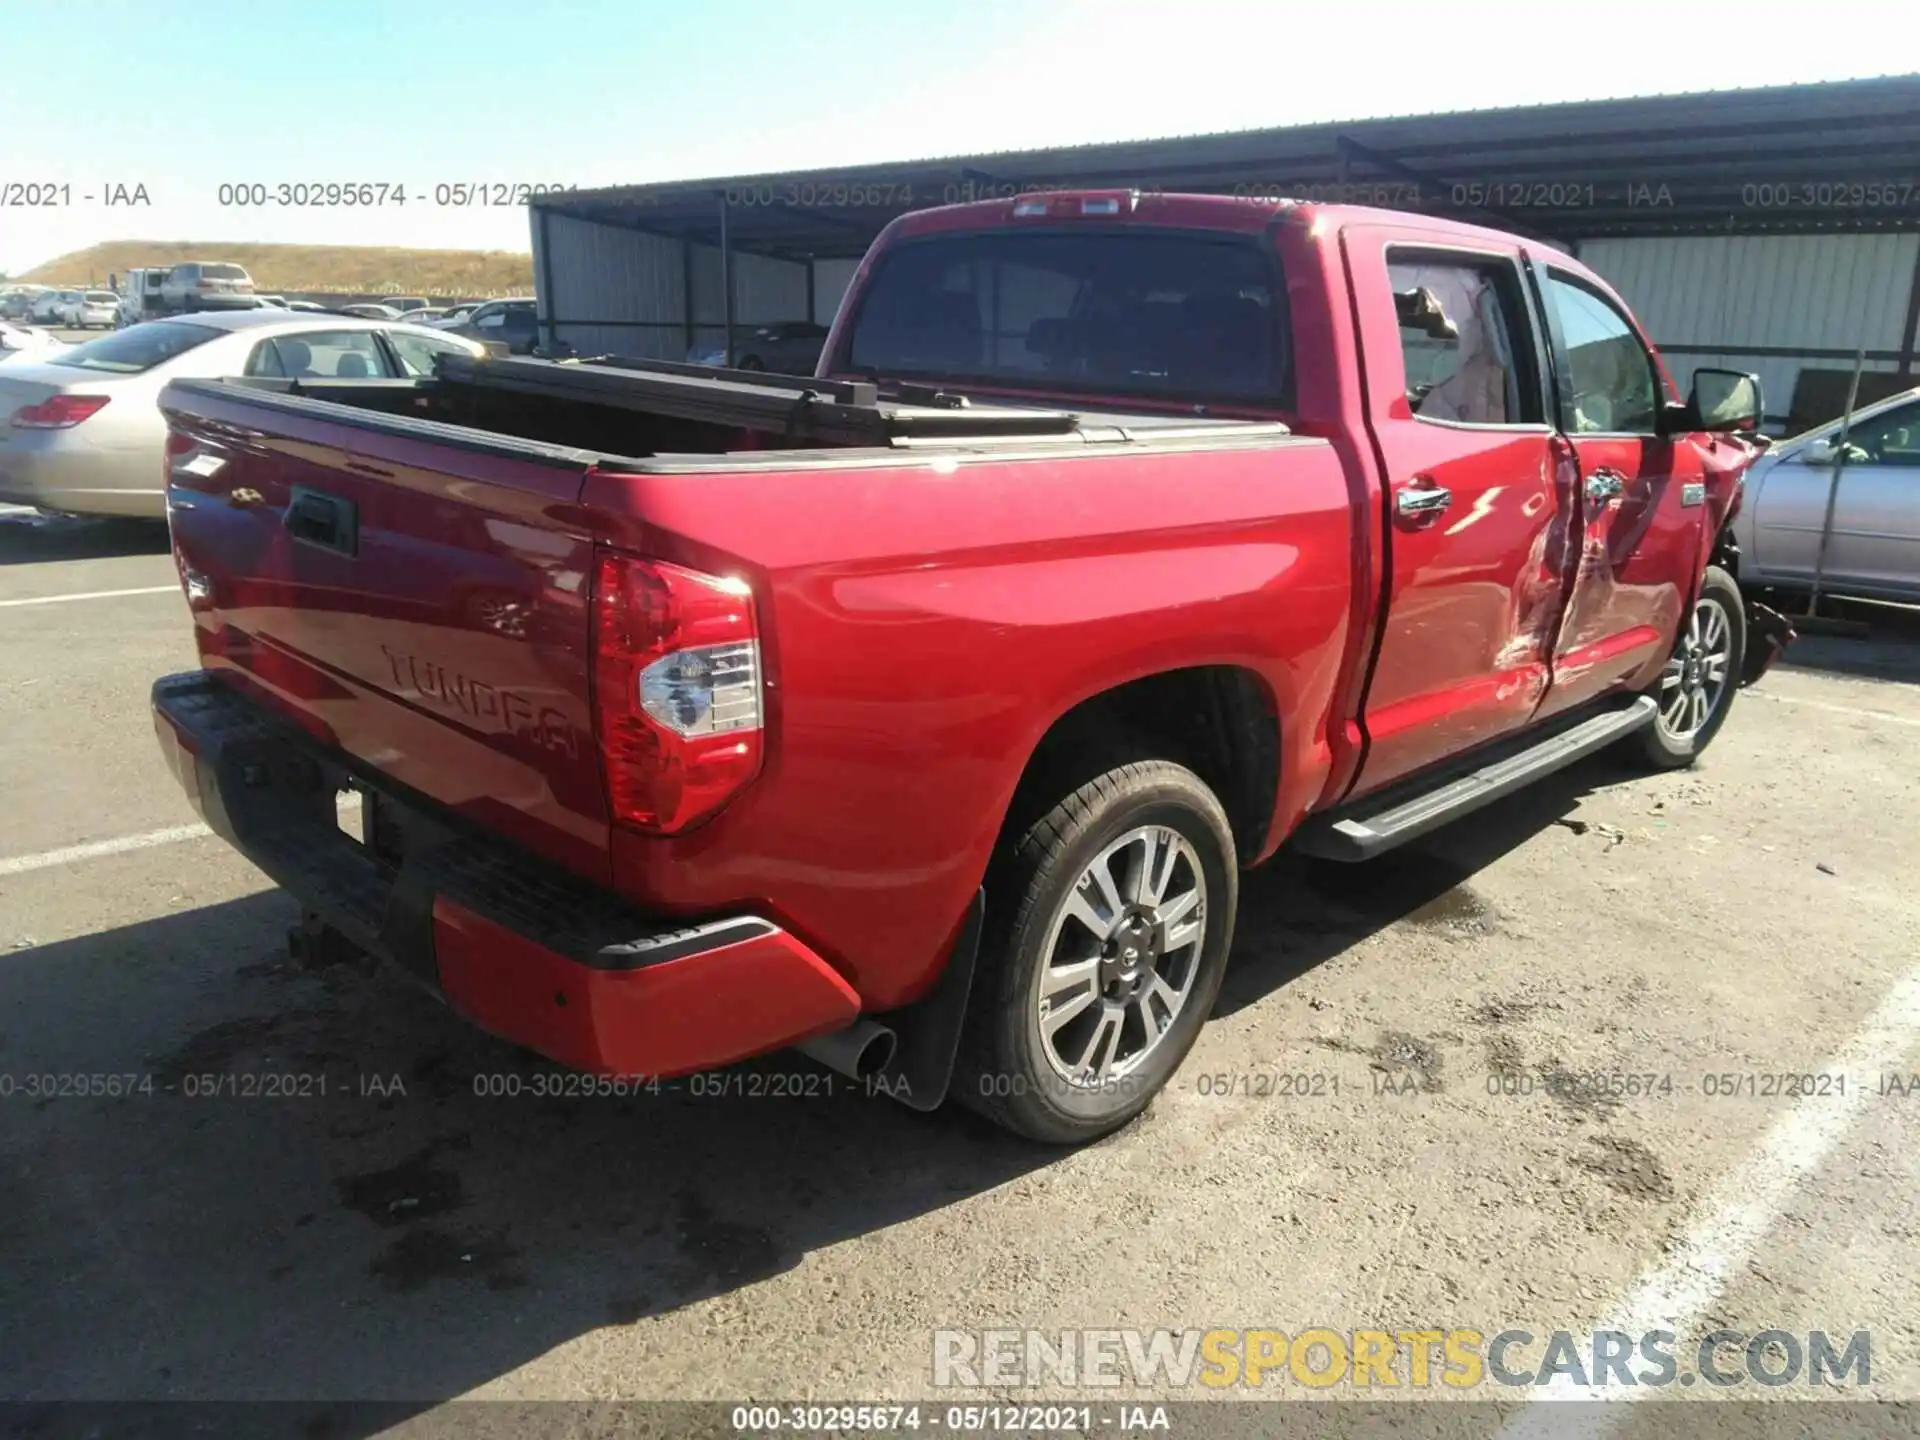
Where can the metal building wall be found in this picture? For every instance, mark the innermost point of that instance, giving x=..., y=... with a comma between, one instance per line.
x=830, y=281
x=1771, y=304
x=608, y=290
x=763, y=289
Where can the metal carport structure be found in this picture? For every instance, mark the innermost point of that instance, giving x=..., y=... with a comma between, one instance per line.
x=1778, y=226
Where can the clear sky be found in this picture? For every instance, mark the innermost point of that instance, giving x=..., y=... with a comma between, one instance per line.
x=183, y=97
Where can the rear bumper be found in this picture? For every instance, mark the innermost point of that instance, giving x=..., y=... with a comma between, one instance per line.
x=531, y=953
x=49, y=469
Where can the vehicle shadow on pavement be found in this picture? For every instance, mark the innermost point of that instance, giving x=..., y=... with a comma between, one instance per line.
x=29, y=538
x=333, y=1187
x=1297, y=912
x=324, y=1184
x=1889, y=652
x=1870, y=641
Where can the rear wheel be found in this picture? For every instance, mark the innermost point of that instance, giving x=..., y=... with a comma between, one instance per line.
x=1696, y=689
x=1108, y=930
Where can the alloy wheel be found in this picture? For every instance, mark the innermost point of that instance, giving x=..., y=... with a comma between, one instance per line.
x=1122, y=953
x=1696, y=676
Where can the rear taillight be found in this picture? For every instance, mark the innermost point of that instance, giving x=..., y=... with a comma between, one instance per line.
x=176, y=446
x=58, y=413
x=677, y=690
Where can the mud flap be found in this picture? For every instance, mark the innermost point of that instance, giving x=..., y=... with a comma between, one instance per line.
x=1768, y=635
x=928, y=1031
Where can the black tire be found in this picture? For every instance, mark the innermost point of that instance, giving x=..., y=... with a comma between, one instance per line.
x=1659, y=746
x=1003, y=1071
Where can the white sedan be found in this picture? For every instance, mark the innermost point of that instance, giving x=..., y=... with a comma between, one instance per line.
x=80, y=429
x=26, y=340
x=49, y=307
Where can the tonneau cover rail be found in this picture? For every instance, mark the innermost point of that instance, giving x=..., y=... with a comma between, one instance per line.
x=835, y=412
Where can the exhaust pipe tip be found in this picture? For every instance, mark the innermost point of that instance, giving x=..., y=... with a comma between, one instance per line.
x=860, y=1052
x=878, y=1053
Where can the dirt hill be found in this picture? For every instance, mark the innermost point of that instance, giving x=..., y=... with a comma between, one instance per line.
x=283, y=269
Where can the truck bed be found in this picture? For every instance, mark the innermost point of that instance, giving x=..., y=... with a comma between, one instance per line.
x=624, y=413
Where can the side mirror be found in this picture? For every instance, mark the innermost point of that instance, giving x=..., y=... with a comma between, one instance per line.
x=1723, y=400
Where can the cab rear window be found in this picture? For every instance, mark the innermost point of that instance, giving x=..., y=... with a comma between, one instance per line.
x=1106, y=311
x=137, y=348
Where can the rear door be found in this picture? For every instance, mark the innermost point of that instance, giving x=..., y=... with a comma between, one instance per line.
x=1476, y=510
x=1640, y=497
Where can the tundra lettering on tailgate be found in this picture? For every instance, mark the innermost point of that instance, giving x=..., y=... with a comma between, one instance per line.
x=510, y=711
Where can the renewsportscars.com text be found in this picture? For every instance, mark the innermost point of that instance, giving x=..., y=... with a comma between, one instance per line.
x=1321, y=1358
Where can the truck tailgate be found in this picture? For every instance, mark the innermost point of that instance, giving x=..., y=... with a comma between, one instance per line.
x=415, y=595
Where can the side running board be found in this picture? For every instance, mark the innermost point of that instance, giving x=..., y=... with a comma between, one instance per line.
x=1380, y=822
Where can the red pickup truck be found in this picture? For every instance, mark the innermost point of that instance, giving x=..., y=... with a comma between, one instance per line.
x=921, y=714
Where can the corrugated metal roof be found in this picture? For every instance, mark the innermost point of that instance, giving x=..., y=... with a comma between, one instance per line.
x=1824, y=156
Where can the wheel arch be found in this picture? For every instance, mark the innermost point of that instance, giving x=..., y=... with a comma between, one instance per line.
x=1221, y=721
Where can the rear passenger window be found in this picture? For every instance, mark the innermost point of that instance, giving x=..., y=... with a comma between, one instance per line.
x=1462, y=342
x=321, y=355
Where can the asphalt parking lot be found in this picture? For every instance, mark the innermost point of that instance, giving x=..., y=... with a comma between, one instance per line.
x=1457, y=1153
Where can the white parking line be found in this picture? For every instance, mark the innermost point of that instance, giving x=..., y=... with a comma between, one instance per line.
x=1738, y=1214
x=95, y=849
x=1854, y=710
x=92, y=595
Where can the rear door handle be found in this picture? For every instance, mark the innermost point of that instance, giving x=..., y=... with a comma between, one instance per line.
x=1423, y=497
x=317, y=518
x=1605, y=483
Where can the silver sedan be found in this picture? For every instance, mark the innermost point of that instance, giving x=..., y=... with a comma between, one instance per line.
x=81, y=431
x=1874, y=547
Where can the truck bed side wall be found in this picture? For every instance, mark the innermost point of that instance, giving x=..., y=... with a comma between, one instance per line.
x=925, y=624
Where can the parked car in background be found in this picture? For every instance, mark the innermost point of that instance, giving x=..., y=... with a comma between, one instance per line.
x=306, y=306
x=789, y=347
x=276, y=302
x=91, y=308
x=50, y=306
x=426, y=315
x=369, y=312
x=198, y=285
x=405, y=304
x=17, y=303
x=513, y=323
x=1873, y=549
x=454, y=314
x=26, y=340
x=79, y=431
x=732, y=762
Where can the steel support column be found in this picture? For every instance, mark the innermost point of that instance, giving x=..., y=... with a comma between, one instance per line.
x=726, y=283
